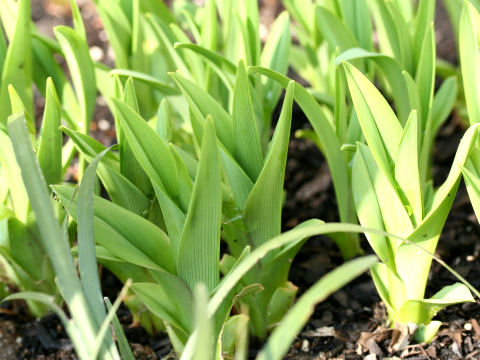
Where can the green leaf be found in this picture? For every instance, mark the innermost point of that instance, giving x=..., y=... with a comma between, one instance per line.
x=129, y=165
x=335, y=32
x=428, y=231
x=160, y=29
x=390, y=288
x=46, y=66
x=141, y=59
x=380, y=126
x=443, y=198
x=239, y=181
x=18, y=106
x=423, y=24
x=303, y=13
x=282, y=337
x=248, y=150
x=281, y=300
x=150, y=150
x=394, y=213
x=11, y=171
x=160, y=9
x=199, y=252
x=246, y=40
x=154, y=155
x=368, y=207
x=87, y=260
x=357, y=17
x=123, y=346
x=8, y=16
x=86, y=241
x=21, y=248
x=425, y=75
x=331, y=150
x=413, y=95
x=120, y=190
x=393, y=39
x=232, y=332
x=219, y=60
x=389, y=39
x=470, y=59
x=422, y=311
x=125, y=234
x=443, y=102
x=149, y=80
x=91, y=147
x=52, y=237
x=426, y=333
x=118, y=29
x=472, y=180
x=185, y=186
x=391, y=70
x=164, y=125
x=407, y=166
x=50, y=143
x=17, y=69
x=3, y=51
x=214, y=87
x=204, y=104
x=305, y=230
x=77, y=56
x=262, y=214
x=78, y=24
x=178, y=311
x=406, y=8
x=204, y=347
x=275, y=56
x=106, y=325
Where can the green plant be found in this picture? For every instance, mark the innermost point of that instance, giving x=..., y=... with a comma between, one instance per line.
x=178, y=205
x=242, y=157
x=23, y=262
x=192, y=204
x=330, y=32
x=149, y=41
x=200, y=344
x=455, y=8
x=470, y=58
x=38, y=52
x=390, y=194
x=89, y=324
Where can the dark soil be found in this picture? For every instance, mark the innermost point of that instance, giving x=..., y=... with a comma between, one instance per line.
x=350, y=324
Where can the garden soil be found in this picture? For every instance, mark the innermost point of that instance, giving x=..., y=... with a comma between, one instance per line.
x=350, y=324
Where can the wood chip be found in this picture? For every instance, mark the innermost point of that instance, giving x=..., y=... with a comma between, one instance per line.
x=468, y=345
x=456, y=349
x=432, y=352
x=324, y=331
x=455, y=335
x=473, y=355
x=476, y=328
x=406, y=334
x=374, y=348
x=305, y=346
